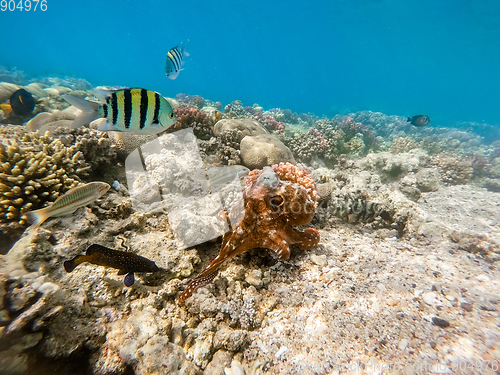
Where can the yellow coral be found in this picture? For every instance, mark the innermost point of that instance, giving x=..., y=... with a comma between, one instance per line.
x=34, y=169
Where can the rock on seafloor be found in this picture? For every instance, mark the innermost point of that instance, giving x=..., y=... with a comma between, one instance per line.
x=246, y=126
x=264, y=149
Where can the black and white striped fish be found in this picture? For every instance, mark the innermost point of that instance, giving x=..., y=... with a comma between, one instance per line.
x=129, y=110
x=174, y=63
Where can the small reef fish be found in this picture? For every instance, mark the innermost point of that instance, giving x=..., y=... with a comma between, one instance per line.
x=135, y=110
x=125, y=262
x=67, y=204
x=21, y=102
x=173, y=62
x=216, y=117
x=419, y=120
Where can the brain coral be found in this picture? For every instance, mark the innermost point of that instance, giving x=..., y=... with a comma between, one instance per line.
x=264, y=149
x=34, y=169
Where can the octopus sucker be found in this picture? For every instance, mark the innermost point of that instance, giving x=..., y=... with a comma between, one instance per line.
x=276, y=199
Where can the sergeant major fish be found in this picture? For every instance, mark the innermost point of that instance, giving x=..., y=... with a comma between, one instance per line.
x=173, y=62
x=419, y=120
x=135, y=110
x=125, y=261
x=68, y=203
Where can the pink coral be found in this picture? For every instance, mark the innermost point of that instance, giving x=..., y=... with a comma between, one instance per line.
x=269, y=121
x=275, y=198
x=191, y=117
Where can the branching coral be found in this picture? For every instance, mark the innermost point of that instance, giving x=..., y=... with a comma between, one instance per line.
x=229, y=150
x=235, y=110
x=275, y=198
x=269, y=122
x=222, y=149
x=303, y=146
x=402, y=144
x=190, y=117
x=34, y=170
x=452, y=169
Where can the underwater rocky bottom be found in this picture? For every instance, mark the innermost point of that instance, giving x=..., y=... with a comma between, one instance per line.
x=405, y=277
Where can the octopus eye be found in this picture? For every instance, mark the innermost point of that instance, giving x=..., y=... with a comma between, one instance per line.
x=277, y=200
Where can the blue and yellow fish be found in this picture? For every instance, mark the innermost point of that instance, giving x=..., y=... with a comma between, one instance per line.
x=134, y=110
x=174, y=63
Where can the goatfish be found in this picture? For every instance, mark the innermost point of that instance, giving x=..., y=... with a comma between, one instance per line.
x=125, y=261
x=68, y=203
x=419, y=120
x=173, y=62
x=134, y=110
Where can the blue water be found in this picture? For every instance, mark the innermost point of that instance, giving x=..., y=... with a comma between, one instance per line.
x=439, y=58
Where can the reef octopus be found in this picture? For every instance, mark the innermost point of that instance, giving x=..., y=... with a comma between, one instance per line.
x=275, y=199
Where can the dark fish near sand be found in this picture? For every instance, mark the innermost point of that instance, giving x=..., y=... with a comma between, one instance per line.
x=125, y=261
x=419, y=120
x=173, y=62
x=135, y=110
x=21, y=102
x=68, y=203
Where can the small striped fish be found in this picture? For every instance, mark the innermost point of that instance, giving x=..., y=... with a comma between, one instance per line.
x=67, y=204
x=173, y=62
x=129, y=110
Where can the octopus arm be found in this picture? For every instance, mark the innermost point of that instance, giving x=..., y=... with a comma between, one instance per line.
x=306, y=239
x=229, y=250
x=279, y=244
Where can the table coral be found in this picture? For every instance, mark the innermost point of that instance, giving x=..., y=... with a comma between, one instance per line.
x=276, y=198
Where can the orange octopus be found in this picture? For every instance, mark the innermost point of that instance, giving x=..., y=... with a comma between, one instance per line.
x=275, y=198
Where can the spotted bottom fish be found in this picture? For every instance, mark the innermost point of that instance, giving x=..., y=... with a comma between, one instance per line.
x=67, y=204
x=126, y=262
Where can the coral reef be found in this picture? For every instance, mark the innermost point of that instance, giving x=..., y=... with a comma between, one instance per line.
x=269, y=122
x=35, y=170
x=454, y=170
x=222, y=149
x=192, y=101
x=402, y=144
x=190, y=117
x=235, y=109
x=275, y=199
x=245, y=126
x=406, y=270
x=228, y=151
